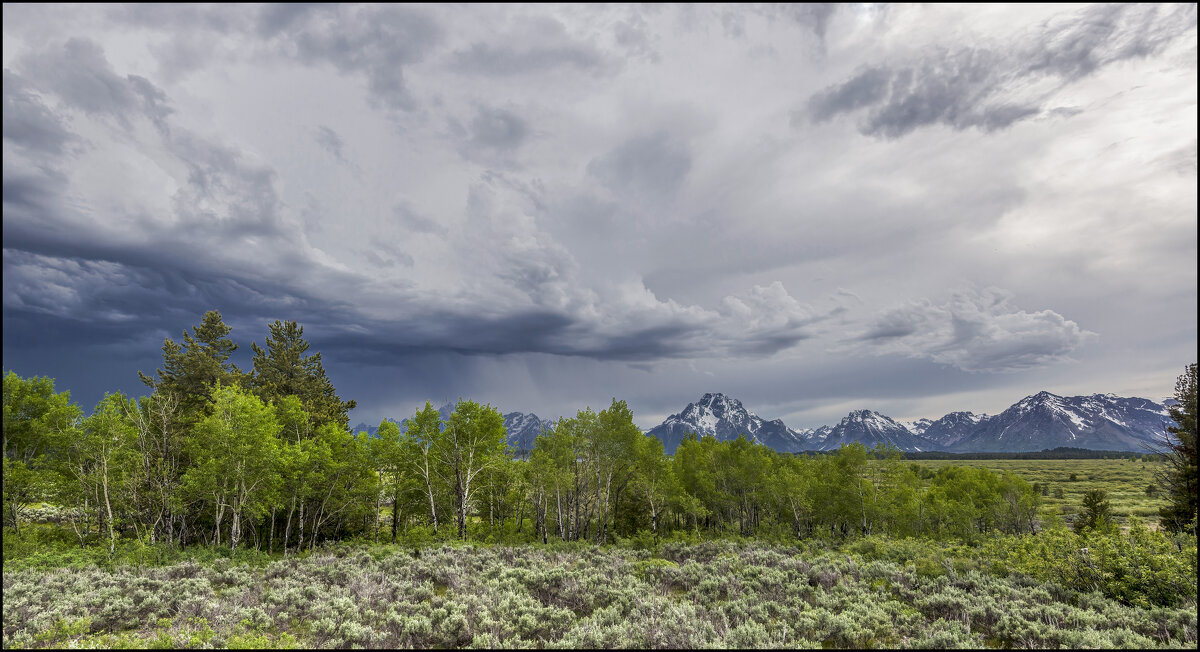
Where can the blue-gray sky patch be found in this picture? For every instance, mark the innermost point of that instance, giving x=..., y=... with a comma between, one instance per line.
x=813, y=208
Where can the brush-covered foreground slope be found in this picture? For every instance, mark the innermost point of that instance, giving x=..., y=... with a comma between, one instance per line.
x=710, y=595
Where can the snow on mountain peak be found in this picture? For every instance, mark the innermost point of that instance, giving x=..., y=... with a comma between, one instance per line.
x=725, y=418
x=1038, y=421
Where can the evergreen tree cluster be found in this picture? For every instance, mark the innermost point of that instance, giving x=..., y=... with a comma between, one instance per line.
x=263, y=458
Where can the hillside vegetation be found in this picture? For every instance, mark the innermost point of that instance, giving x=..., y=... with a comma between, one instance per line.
x=232, y=508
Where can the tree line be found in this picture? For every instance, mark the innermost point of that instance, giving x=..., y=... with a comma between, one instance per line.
x=264, y=458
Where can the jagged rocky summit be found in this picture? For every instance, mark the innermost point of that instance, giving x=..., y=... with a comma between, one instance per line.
x=725, y=418
x=1038, y=422
x=1045, y=420
x=870, y=429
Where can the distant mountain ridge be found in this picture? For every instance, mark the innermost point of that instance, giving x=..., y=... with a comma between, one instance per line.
x=522, y=428
x=1037, y=422
x=726, y=418
x=952, y=428
x=870, y=429
x=1045, y=420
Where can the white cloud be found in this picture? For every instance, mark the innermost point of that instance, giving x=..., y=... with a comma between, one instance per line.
x=975, y=331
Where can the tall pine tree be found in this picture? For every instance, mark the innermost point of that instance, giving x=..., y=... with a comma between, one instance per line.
x=282, y=369
x=1180, y=476
x=192, y=369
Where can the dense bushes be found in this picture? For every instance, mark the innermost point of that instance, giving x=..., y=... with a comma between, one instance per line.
x=1143, y=567
x=716, y=594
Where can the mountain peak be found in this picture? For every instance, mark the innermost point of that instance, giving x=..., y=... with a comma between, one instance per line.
x=714, y=399
x=871, y=428
x=725, y=418
x=1045, y=420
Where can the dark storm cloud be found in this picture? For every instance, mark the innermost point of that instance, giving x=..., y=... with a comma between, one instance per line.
x=655, y=342
x=769, y=344
x=141, y=291
x=81, y=76
x=973, y=87
x=646, y=168
x=28, y=195
x=85, y=358
x=447, y=331
x=28, y=123
x=531, y=331
x=224, y=202
x=63, y=260
x=148, y=287
x=620, y=215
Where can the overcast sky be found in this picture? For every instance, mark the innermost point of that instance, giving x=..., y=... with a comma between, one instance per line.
x=811, y=208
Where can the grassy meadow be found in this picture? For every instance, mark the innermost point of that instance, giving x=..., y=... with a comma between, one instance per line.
x=1125, y=481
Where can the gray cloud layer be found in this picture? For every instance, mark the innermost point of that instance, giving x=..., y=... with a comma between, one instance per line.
x=990, y=89
x=553, y=206
x=976, y=331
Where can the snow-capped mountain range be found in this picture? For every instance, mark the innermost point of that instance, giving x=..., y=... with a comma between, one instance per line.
x=872, y=428
x=1037, y=422
x=1045, y=420
x=726, y=418
x=523, y=428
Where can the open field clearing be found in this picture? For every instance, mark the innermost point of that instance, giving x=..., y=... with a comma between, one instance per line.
x=716, y=594
x=1124, y=480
